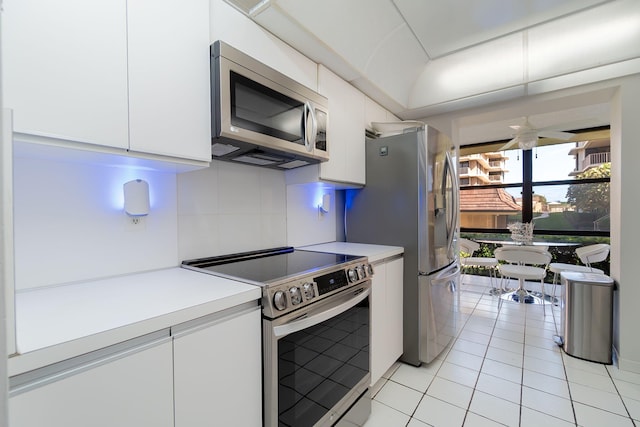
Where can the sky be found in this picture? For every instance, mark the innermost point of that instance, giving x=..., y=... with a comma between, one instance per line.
x=550, y=163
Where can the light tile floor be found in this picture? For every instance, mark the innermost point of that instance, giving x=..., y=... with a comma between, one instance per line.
x=503, y=368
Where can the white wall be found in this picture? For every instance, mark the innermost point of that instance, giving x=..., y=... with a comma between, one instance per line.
x=625, y=205
x=305, y=224
x=7, y=339
x=230, y=208
x=70, y=224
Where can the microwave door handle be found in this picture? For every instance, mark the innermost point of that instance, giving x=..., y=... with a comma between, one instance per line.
x=310, y=131
x=314, y=126
x=305, y=125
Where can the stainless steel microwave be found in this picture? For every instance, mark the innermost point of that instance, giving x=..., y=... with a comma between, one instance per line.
x=262, y=117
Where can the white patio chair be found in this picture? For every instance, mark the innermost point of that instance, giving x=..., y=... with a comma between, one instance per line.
x=587, y=255
x=523, y=263
x=470, y=247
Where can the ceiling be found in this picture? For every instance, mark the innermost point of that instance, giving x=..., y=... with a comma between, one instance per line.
x=422, y=58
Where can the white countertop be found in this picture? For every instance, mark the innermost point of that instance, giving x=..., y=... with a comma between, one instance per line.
x=373, y=252
x=59, y=322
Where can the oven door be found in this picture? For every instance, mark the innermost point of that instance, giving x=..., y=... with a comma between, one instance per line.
x=316, y=361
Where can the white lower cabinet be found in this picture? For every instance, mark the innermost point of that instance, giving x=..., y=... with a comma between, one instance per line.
x=386, y=316
x=130, y=384
x=205, y=372
x=218, y=371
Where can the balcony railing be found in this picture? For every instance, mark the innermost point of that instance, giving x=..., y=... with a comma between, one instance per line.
x=595, y=159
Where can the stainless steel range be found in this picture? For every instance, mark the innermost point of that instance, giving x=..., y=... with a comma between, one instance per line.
x=316, y=322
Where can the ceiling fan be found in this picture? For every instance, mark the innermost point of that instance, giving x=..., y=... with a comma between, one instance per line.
x=526, y=136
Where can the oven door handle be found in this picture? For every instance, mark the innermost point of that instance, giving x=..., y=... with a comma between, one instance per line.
x=323, y=315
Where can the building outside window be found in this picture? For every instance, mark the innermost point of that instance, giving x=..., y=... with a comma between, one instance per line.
x=562, y=187
x=567, y=183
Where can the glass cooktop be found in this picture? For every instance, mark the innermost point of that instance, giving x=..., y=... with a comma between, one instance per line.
x=264, y=267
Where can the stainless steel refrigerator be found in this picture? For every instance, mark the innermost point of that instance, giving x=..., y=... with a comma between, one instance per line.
x=411, y=199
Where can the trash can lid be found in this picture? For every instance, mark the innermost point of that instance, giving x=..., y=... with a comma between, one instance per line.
x=594, y=278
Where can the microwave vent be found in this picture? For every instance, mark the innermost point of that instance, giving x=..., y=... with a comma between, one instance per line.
x=218, y=149
x=293, y=164
x=258, y=159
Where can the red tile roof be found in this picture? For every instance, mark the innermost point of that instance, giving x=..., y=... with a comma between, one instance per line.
x=487, y=200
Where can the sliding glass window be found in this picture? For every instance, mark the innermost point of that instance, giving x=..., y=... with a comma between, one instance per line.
x=563, y=187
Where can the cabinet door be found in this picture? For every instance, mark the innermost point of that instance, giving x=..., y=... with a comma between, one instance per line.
x=64, y=69
x=218, y=373
x=386, y=316
x=169, y=78
x=395, y=286
x=373, y=112
x=378, y=323
x=132, y=391
x=345, y=133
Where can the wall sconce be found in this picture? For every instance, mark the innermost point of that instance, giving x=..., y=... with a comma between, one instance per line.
x=325, y=206
x=136, y=198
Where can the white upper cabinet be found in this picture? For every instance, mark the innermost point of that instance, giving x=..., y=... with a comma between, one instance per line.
x=374, y=112
x=345, y=133
x=169, y=107
x=127, y=75
x=64, y=69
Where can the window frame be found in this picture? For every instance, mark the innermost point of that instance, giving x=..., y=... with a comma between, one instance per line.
x=527, y=184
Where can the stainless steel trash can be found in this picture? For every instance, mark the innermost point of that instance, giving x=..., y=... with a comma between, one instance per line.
x=587, y=316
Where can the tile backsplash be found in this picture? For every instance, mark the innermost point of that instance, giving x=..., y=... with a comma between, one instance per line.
x=70, y=224
x=228, y=208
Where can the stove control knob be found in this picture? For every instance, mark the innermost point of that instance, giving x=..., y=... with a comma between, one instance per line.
x=369, y=269
x=362, y=273
x=308, y=291
x=296, y=296
x=352, y=274
x=280, y=300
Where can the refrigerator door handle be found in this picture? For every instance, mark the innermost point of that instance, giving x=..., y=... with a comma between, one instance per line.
x=451, y=270
x=454, y=199
x=452, y=273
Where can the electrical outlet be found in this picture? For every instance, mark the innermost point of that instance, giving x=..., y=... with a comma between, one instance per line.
x=135, y=223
